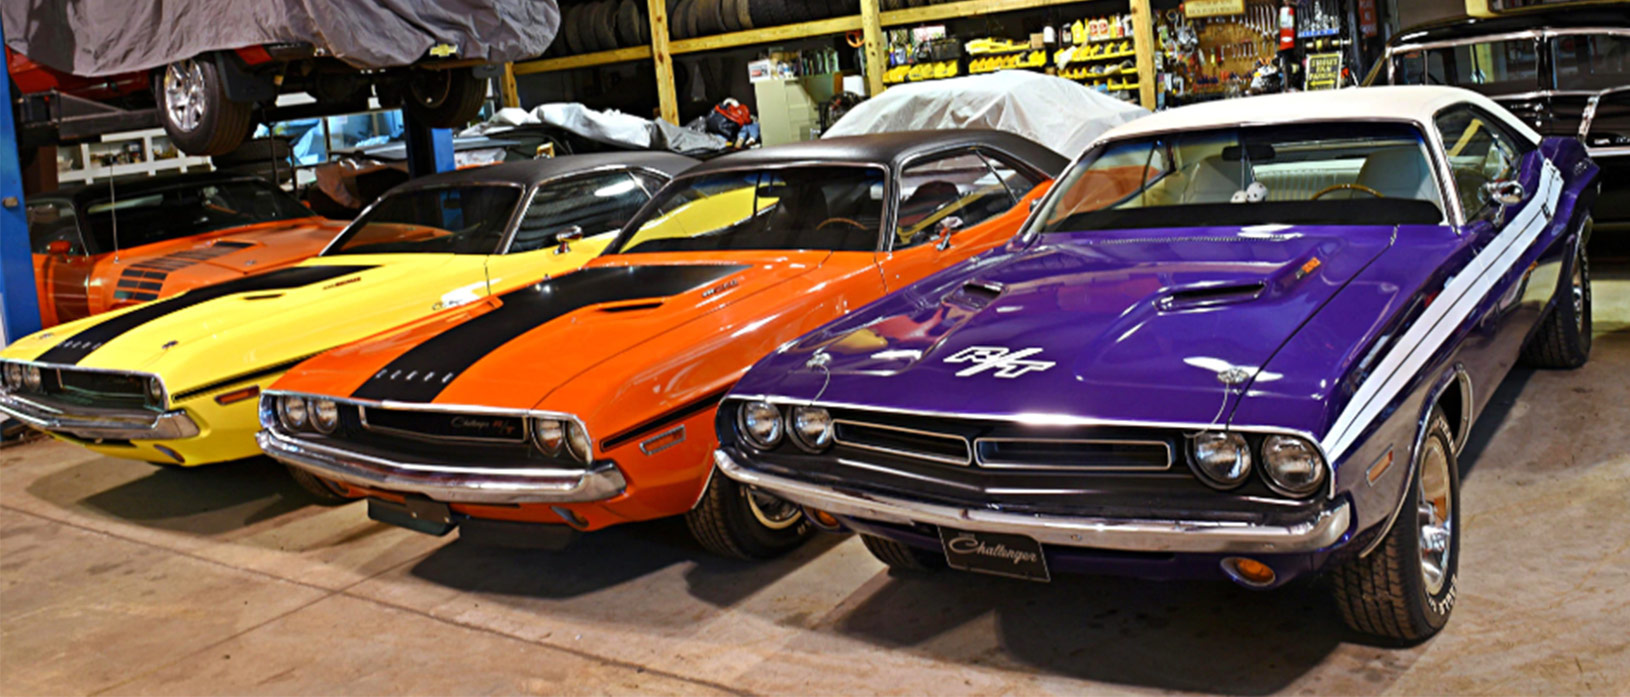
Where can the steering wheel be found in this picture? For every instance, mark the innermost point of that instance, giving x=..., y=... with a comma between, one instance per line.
x=1349, y=187
x=845, y=221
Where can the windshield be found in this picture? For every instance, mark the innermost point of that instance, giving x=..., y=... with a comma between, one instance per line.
x=832, y=207
x=183, y=210
x=1492, y=67
x=1328, y=173
x=452, y=220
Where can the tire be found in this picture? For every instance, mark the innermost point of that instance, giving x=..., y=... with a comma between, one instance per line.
x=712, y=20
x=676, y=19
x=194, y=110
x=730, y=522
x=628, y=24
x=1564, y=335
x=730, y=13
x=320, y=489
x=903, y=557
x=445, y=98
x=605, y=30
x=744, y=14
x=1388, y=594
x=766, y=13
x=568, y=29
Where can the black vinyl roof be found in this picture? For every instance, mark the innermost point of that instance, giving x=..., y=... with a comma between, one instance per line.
x=529, y=172
x=889, y=149
x=1551, y=18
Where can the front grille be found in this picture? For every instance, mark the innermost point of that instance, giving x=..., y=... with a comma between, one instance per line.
x=894, y=440
x=996, y=445
x=1074, y=454
x=91, y=388
x=443, y=426
x=430, y=437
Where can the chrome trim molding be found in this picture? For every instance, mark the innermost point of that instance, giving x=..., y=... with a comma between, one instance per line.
x=450, y=485
x=646, y=445
x=1002, y=464
x=90, y=423
x=966, y=459
x=1146, y=535
x=267, y=395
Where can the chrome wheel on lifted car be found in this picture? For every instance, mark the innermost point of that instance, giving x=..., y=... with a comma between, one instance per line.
x=195, y=111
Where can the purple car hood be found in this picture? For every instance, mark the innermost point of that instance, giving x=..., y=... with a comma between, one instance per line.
x=1128, y=325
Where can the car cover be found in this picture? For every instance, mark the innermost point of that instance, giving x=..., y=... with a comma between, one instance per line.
x=96, y=38
x=1061, y=114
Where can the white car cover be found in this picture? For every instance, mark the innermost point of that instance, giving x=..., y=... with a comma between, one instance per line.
x=1061, y=114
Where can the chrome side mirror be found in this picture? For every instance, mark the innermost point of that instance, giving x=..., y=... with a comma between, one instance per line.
x=1034, y=204
x=565, y=237
x=1504, y=192
x=947, y=226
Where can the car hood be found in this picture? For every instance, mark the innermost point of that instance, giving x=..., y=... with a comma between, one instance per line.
x=235, y=251
x=1140, y=325
x=513, y=350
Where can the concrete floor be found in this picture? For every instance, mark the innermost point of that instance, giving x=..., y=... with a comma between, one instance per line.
x=116, y=577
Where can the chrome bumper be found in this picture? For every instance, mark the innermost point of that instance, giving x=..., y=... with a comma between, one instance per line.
x=91, y=423
x=442, y=482
x=1203, y=536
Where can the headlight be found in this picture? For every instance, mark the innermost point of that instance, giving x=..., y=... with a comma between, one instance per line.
x=577, y=441
x=31, y=378
x=325, y=415
x=812, y=428
x=548, y=435
x=292, y=412
x=155, y=392
x=761, y=423
x=1223, y=460
x=1292, y=465
x=14, y=376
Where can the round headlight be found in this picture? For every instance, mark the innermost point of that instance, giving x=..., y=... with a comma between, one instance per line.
x=761, y=423
x=812, y=427
x=1292, y=465
x=292, y=412
x=155, y=392
x=31, y=378
x=1222, y=459
x=577, y=441
x=325, y=415
x=548, y=435
x=14, y=376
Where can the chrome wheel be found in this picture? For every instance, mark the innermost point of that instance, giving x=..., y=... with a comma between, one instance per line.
x=184, y=94
x=1434, y=517
x=1581, y=291
x=772, y=512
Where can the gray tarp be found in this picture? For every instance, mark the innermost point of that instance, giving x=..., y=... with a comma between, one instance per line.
x=106, y=37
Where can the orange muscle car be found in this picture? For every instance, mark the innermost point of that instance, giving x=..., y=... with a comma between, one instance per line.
x=104, y=247
x=588, y=400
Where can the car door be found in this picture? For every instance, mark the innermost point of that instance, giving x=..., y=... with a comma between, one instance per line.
x=948, y=207
x=567, y=223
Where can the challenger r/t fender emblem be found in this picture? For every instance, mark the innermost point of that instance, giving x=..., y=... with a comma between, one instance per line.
x=1007, y=363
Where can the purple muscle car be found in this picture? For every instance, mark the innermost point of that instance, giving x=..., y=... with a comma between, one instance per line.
x=1241, y=340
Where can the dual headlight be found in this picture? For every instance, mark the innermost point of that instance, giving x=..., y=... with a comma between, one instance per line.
x=22, y=377
x=1291, y=466
x=764, y=425
x=552, y=437
x=307, y=413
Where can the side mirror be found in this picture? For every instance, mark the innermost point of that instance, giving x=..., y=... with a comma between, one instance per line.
x=947, y=226
x=1504, y=192
x=567, y=236
x=1034, y=204
x=59, y=248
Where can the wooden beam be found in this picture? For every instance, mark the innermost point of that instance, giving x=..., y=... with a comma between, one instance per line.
x=662, y=58
x=509, y=93
x=872, y=26
x=967, y=8
x=785, y=32
x=621, y=55
x=1143, y=42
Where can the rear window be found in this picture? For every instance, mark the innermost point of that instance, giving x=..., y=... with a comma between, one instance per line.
x=449, y=220
x=157, y=215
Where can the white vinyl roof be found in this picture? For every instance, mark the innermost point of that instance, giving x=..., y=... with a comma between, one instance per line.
x=1414, y=103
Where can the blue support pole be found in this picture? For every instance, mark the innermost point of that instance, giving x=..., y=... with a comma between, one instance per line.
x=19, y=302
x=429, y=150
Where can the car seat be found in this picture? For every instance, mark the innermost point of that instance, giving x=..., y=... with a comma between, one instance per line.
x=1398, y=172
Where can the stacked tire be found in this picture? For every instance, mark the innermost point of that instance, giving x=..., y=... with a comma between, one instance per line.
x=604, y=25
x=600, y=25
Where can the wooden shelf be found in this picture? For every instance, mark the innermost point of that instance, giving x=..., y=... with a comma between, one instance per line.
x=785, y=32
x=583, y=60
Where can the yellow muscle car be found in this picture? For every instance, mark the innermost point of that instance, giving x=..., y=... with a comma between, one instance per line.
x=176, y=381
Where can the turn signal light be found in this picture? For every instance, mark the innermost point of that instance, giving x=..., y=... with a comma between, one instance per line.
x=1248, y=572
x=823, y=518
x=226, y=398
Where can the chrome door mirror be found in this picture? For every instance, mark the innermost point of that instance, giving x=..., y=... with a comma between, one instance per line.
x=1502, y=193
x=567, y=236
x=947, y=226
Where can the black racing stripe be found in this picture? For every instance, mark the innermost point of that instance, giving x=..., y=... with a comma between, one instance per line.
x=223, y=383
x=140, y=285
x=131, y=295
x=77, y=347
x=425, y=370
x=693, y=408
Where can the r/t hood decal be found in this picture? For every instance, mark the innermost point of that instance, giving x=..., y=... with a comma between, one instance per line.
x=75, y=348
x=423, y=371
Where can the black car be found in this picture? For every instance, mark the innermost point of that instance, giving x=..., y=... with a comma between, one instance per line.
x=1563, y=71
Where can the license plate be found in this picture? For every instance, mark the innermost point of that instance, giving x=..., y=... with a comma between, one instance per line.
x=995, y=553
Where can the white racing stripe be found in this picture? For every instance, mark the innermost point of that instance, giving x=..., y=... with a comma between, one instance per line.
x=1460, y=297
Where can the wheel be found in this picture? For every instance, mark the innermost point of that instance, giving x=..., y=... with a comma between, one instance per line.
x=445, y=98
x=1563, y=339
x=195, y=112
x=325, y=492
x=903, y=557
x=737, y=521
x=1406, y=588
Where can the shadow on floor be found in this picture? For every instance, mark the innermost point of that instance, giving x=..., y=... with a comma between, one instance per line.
x=206, y=500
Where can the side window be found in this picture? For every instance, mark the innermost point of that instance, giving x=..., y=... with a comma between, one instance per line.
x=958, y=192
x=597, y=204
x=650, y=182
x=1018, y=182
x=1480, y=150
x=1591, y=61
x=50, y=221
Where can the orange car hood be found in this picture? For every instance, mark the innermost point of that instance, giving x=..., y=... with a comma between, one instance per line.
x=484, y=354
x=226, y=254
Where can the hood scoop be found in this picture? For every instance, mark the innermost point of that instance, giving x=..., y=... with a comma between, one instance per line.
x=1211, y=296
x=975, y=295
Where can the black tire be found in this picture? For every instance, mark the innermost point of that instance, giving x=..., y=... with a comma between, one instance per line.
x=744, y=14
x=676, y=19
x=728, y=522
x=320, y=489
x=766, y=13
x=1564, y=336
x=196, y=114
x=712, y=20
x=445, y=98
x=1388, y=594
x=903, y=557
x=568, y=29
x=730, y=13
x=628, y=23
x=605, y=29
